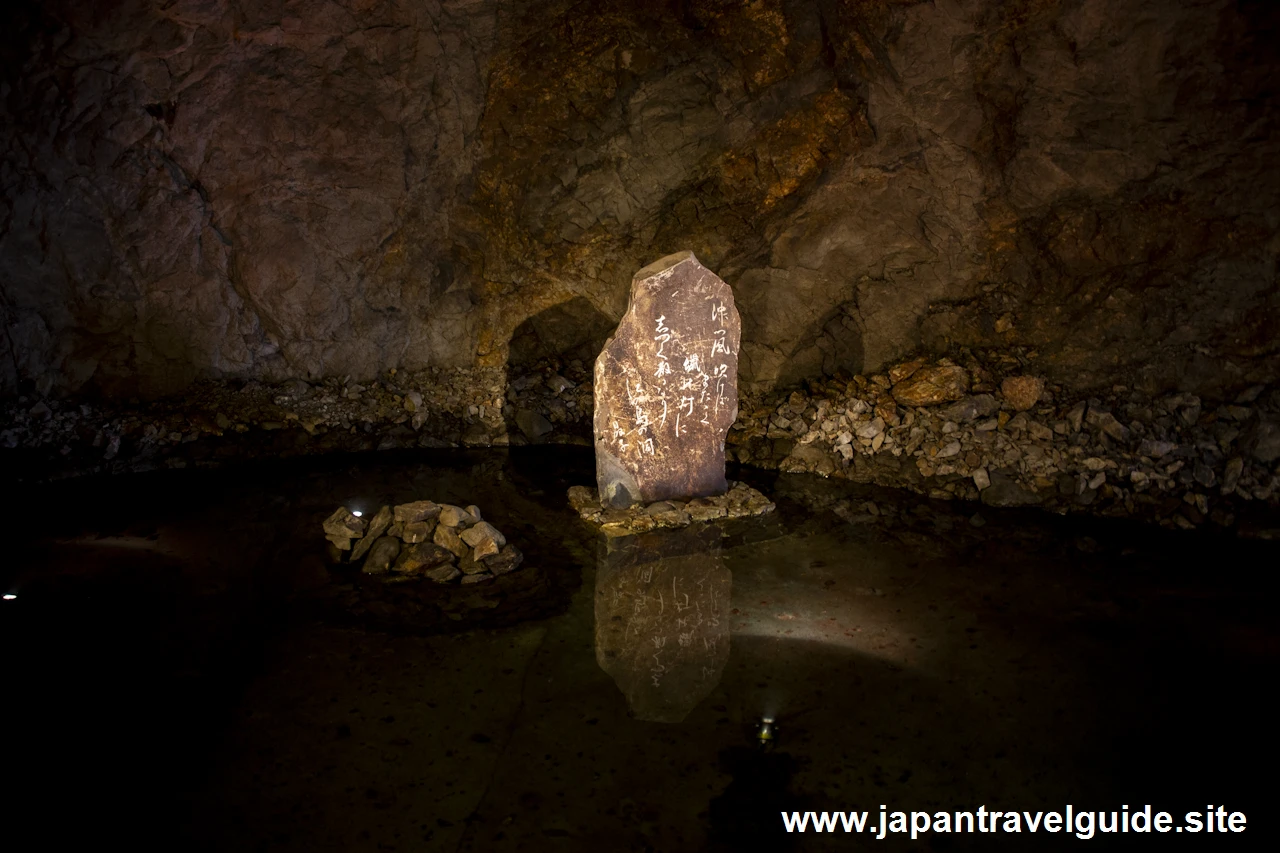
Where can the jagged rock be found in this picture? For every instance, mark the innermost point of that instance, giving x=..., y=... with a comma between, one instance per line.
x=455, y=516
x=342, y=543
x=903, y=371
x=385, y=549
x=666, y=388
x=1005, y=491
x=377, y=526
x=447, y=537
x=421, y=556
x=971, y=408
x=1155, y=449
x=343, y=524
x=416, y=511
x=704, y=512
x=477, y=578
x=670, y=517
x=1075, y=415
x=1022, y=392
x=809, y=458
x=505, y=560
x=1040, y=432
x=484, y=539
x=533, y=424
x=871, y=429
x=1112, y=428
x=740, y=501
x=418, y=531
x=443, y=573
x=929, y=386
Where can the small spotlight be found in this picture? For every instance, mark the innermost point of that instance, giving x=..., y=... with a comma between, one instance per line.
x=766, y=733
x=8, y=596
x=357, y=513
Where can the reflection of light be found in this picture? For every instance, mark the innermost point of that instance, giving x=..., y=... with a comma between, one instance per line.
x=858, y=627
x=766, y=733
x=8, y=596
x=357, y=513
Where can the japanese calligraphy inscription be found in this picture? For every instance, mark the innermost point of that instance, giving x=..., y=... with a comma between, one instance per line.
x=666, y=386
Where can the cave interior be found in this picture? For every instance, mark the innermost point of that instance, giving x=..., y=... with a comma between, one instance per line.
x=1004, y=469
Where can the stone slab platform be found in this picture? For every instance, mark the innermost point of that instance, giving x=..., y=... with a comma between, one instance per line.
x=740, y=501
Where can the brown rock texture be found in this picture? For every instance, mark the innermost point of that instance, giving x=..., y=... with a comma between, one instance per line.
x=1022, y=392
x=320, y=189
x=929, y=386
x=666, y=386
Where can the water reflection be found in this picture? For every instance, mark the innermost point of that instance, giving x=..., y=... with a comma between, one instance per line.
x=662, y=627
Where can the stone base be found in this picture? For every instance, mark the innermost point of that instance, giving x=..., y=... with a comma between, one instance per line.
x=741, y=501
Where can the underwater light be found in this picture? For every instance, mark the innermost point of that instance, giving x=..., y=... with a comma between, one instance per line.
x=357, y=513
x=766, y=733
x=8, y=596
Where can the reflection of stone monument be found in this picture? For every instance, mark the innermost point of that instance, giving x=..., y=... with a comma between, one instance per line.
x=662, y=619
x=666, y=386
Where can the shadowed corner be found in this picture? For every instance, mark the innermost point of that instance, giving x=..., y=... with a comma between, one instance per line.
x=549, y=364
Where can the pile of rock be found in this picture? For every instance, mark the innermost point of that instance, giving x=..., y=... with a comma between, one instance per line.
x=979, y=427
x=953, y=431
x=440, y=542
x=740, y=501
x=435, y=407
x=552, y=402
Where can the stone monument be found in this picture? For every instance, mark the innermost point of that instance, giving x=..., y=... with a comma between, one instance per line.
x=666, y=387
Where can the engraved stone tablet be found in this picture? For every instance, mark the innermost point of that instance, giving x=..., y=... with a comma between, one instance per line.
x=666, y=386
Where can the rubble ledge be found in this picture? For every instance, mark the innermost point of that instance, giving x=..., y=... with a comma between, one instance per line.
x=740, y=501
x=979, y=428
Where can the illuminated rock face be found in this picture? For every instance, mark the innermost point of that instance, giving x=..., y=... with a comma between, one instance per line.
x=666, y=386
x=662, y=619
x=332, y=192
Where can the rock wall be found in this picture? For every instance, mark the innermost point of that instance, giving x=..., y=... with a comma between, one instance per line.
x=218, y=189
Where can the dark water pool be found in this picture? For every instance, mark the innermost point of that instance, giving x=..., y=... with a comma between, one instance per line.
x=182, y=671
